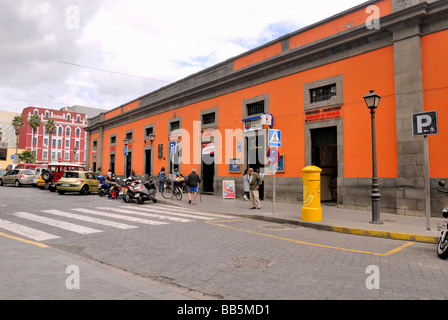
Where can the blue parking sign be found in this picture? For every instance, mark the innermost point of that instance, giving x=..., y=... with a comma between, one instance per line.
x=125, y=151
x=173, y=147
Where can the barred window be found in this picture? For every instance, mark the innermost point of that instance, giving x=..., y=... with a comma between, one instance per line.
x=323, y=93
x=255, y=108
x=175, y=125
x=208, y=118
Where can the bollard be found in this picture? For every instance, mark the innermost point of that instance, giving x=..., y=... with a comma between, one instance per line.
x=311, y=209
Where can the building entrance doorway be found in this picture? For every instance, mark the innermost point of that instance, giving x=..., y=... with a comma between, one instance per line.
x=324, y=154
x=208, y=167
x=255, y=156
x=148, y=162
x=128, y=167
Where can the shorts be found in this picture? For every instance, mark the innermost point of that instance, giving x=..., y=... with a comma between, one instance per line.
x=193, y=189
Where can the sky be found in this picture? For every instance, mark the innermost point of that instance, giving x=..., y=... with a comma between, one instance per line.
x=106, y=53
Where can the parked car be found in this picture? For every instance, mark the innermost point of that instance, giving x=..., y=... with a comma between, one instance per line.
x=55, y=171
x=83, y=182
x=18, y=177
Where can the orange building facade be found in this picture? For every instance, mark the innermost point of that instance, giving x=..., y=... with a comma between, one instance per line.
x=310, y=85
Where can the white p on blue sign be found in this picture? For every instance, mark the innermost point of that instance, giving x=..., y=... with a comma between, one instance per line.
x=275, y=138
x=172, y=147
x=425, y=123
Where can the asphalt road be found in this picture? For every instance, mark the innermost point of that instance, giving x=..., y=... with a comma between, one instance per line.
x=152, y=251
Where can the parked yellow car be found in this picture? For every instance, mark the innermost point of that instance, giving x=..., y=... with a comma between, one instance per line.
x=83, y=182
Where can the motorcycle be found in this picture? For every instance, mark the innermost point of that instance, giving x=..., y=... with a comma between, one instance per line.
x=103, y=186
x=141, y=190
x=442, y=246
x=116, y=187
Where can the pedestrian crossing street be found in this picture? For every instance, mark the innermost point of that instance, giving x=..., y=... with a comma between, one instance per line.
x=120, y=217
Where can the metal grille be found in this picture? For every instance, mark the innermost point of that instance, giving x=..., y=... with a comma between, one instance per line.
x=208, y=118
x=255, y=108
x=175, y=125
x=323, y=93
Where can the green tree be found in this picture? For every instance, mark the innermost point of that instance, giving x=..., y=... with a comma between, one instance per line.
x=34, y=124
x=51, y=128
x=27, y=157
x=17, y=123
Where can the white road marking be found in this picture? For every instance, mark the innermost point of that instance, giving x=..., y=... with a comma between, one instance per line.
x=150, y=215
x=57, y=223
x=190, y=210
x=119, y=216
x=109, y=223
x=177, y=213
x=28, y=232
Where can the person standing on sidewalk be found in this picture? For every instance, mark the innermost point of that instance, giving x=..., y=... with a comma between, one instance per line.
x=193, y=181
x=161, y=176
x=254, y=184
x=246, y=185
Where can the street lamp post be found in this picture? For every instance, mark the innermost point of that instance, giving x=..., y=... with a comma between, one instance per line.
x=372, y=100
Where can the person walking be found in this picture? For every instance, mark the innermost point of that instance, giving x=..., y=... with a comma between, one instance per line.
x=246, y=195
x=193, y=181
x=109, y=175
x=254, y=184
x=161, y=176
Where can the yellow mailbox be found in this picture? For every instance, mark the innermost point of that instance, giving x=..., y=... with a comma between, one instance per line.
x=311, y=209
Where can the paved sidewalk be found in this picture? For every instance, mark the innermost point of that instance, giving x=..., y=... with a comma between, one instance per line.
x=333, y=218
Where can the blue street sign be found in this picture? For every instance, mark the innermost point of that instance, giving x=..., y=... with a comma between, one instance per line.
x=125, y=151
x=173, y=147
x=13, y=157
x=275, y=138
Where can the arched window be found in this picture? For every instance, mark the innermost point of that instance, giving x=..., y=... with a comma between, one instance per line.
x=67, y=131
x=47, y=114
x=69, y=117
x=36, y=112
x=60, y=131
x=78, y=132
x=78, y=118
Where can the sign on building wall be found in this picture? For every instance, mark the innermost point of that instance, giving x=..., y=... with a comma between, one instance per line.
x=323, y=114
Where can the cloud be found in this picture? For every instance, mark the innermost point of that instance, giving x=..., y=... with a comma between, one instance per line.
x=51, y=51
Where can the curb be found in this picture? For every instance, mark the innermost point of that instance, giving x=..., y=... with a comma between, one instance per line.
x=331, y=228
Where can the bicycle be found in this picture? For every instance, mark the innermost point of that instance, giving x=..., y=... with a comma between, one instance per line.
x=168, y=193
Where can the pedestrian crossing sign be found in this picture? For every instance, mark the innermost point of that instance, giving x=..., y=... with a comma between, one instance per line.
x=275, y=138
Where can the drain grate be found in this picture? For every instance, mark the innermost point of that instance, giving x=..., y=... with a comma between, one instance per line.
x=251, y=263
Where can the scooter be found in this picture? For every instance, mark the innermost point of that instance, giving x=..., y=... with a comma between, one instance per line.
x=142, y=190
x=103, y=186
x=442, y=247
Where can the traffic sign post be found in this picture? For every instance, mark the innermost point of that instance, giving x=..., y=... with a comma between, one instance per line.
x=173, y=146
x=273, y=157
x=424, y=124
x=125, y=151
x=275, y=138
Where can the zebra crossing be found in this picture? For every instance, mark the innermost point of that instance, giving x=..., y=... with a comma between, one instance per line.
x=120, y=217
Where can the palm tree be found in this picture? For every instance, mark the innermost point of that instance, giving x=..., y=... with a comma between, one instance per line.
x=51, y=128
x=27, y=156
x=34, y=124
x=17, y=123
